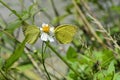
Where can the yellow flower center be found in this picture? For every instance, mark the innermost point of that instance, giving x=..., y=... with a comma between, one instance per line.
x=46, y=28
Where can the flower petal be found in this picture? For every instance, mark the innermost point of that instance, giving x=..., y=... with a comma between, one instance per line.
x=50, y=38
x=44, y=24
x=52, y=29
x=47, y=36
x=44, y=37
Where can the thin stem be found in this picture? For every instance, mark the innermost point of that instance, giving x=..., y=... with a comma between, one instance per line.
x=88, y=25
x=50, y=65
x=12, y=77
x=34, y=63
x=107, y=33
x=3, y=75
x=45, y=13
x=22, y=5
x=55, y=10
x=13, y=11
x=43, y=61
x=39, y=9
x=77, y=73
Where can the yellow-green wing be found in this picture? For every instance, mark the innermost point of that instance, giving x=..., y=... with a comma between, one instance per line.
x=32, y=33
x=65, y=33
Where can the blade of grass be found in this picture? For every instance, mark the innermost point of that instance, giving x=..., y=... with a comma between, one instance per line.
x=15, y=56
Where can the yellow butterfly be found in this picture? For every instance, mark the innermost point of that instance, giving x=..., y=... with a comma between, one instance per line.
x=65, y=33
x=32, y=32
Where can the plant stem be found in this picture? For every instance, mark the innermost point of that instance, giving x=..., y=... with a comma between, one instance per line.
x=35, y=65
x=43, y=61
x=55, y=11
x=77, y=73
x=88, y=25
x=3, y=75
x=13, y=11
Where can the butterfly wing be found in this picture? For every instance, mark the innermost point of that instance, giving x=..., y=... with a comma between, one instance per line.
x=32, y=32
x=65, y=33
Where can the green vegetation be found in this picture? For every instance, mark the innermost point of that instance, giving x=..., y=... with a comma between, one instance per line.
x=83, y=45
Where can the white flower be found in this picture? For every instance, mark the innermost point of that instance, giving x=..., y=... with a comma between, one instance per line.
x=46, y=33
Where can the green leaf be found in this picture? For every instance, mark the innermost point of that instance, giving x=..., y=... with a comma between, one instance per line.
x=15, y=56
x=117, y=76
x=85, y=59
x=69, y=8
x=116, y=9
x=13, y=25
x=71, y=54
x=1, y=62
x=109, y=77
x=25, y=15
x=24, y=67
x=100, y=75
x=2, y=23
x=111, y=68
x=32, y=9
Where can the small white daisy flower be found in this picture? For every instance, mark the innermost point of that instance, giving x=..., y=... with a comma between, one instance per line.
x=46, y=33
